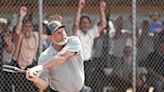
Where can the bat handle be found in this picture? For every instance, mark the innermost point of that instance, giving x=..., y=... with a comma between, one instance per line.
x=20, y=70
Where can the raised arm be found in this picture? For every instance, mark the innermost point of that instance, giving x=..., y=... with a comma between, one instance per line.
x=23, y=12
x=102, y=16
x=77, y=17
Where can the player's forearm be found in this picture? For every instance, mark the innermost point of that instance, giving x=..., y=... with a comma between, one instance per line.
x=41, y=83
x=54, y=62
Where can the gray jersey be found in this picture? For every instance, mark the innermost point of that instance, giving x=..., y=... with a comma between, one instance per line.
x=68, y=77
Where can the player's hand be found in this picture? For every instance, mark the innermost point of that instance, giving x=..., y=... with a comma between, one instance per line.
x=23, y=11
x=33, y=72
x=102, y=6
x=81, y=3
x=34, y=79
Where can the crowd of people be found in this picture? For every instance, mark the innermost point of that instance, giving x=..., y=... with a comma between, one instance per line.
x=76, y=63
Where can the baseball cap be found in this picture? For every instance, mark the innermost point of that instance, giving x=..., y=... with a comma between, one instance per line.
x=54, y=25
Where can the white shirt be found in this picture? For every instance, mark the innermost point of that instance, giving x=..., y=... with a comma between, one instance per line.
x=87, y=41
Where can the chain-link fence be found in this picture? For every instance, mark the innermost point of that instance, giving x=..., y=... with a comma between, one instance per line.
x=128, y=55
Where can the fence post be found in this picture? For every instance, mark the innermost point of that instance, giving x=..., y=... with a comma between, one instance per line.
x=40, y=24
x=134, y=43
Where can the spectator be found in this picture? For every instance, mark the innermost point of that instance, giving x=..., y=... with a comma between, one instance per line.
x=56, y=18
x=123, y=73
x=155, y=24
x=9, y=47
x=154, y=64
x=155, y=27
x=6, y=38
x=128, y=24
x=145, y=44
x=118, y=42
x=6, y=53
x=87, y=35
x=99, y=62
x=27, y=42
x=59, y=18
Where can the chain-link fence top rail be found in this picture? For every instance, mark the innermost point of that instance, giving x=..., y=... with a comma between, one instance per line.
x=67, y=8
x=10, y=6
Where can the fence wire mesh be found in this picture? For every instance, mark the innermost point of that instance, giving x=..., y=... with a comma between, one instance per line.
x=110, y=65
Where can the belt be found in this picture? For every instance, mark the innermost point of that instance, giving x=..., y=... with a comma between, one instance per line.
x=84, y=89
x=51, y=90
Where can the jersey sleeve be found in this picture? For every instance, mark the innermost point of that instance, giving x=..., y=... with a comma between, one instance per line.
x=44, y=73
x=73, y=44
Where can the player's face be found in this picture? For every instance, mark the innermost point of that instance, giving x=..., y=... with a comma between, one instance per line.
x=59, y=37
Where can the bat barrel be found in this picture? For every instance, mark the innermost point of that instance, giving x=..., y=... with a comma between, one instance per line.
x=14, y=69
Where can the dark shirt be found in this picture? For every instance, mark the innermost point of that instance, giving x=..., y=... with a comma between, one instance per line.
x=155, y=61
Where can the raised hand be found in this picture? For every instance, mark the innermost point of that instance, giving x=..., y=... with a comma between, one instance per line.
x=81, y=3
x=102, y=5
x=23, y=11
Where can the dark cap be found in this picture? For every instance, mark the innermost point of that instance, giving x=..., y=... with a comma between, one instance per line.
x=54, y=25
x=154, y=14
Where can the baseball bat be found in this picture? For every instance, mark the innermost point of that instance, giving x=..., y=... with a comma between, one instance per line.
x=13, y=69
